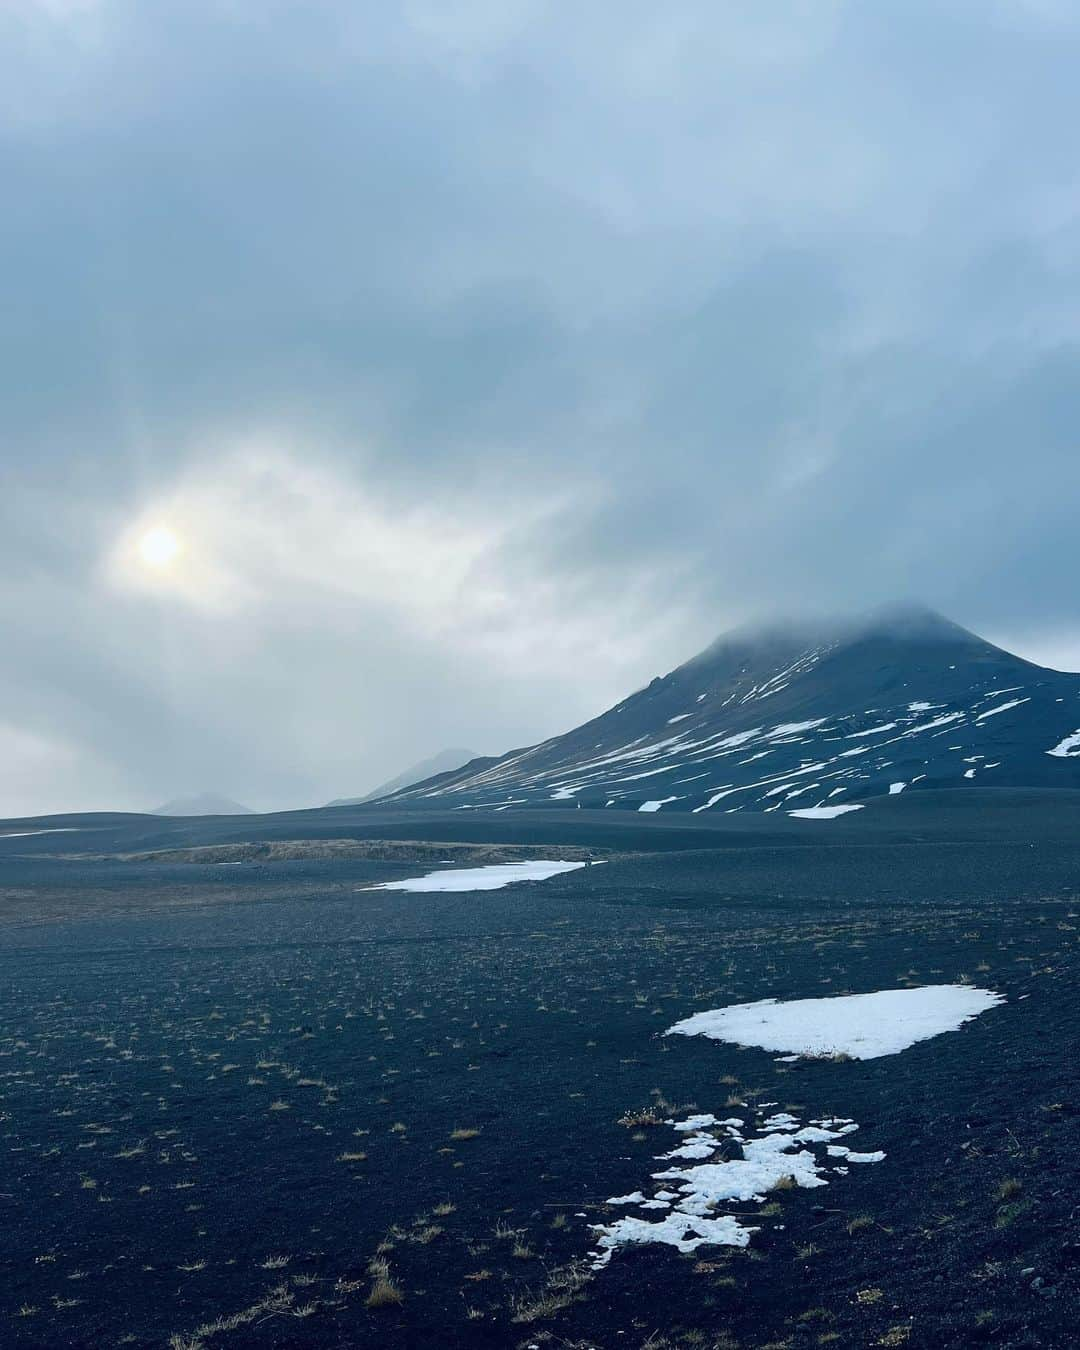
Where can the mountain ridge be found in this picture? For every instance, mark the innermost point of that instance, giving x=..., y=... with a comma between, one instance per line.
x=813, y=714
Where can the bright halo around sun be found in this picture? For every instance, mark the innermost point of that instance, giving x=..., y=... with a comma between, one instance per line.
x=159, y=546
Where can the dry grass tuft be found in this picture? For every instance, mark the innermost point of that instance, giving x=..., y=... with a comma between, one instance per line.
x=646, y=1116
x=562, y=1287
x=384, y=1292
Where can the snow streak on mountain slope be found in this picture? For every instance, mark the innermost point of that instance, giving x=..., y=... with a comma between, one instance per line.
x=783, y=720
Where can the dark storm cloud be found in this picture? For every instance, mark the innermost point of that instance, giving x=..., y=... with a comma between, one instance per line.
x=489, y=357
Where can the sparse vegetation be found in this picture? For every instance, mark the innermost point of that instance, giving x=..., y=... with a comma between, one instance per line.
x=562, y=1286
x=643, y=1117
x=153, y=1088
x=384, y=1292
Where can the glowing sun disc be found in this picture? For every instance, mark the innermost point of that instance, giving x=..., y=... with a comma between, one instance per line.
x=159, y=546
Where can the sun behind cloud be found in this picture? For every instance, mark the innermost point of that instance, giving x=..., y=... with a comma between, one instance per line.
x=160, y=546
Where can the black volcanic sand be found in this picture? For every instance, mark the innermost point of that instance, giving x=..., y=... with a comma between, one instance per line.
x=222, y=1097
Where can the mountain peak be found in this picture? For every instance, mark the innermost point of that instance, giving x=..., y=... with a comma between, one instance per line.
x=811, y=712
x=905, y=621
x=203, y=804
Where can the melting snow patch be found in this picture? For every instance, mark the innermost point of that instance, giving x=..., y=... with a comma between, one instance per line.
x=68, y=829
x=656, y=805
x=864, y=1026
x=1068, y=748
x=824, y=812
x=774, y=1153
x=790, y=728
x=1002, y=707
x=490, y=878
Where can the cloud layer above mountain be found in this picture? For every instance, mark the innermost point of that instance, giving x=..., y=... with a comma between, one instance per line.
x=488, y=358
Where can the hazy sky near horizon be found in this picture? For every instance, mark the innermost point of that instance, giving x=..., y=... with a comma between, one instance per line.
x=487, y=358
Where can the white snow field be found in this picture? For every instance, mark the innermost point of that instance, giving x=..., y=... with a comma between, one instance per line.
x=490, y=878
x=775, y=1150
x=824, y=812
x=864, y=1026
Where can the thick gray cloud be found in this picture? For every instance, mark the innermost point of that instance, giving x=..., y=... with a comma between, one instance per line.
x=487, y=358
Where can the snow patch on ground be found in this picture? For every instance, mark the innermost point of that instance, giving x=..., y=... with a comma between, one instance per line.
x=1002, y=707
x=1068, y=748
x=864, y=1026
x=824, y=812
x=490, y=878
x=26, y=834
x=792, y=728
x=777, y=1151
x=656, y=805
x=871, y=731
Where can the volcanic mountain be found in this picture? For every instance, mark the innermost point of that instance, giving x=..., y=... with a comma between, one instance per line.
x=800, y=719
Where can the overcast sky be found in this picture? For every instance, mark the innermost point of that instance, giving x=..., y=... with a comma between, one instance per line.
x=487, y=357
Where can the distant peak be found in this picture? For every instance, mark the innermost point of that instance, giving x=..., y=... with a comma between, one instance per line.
x=203, y=804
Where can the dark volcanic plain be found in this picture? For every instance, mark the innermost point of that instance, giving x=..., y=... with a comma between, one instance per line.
x=245, y=1102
